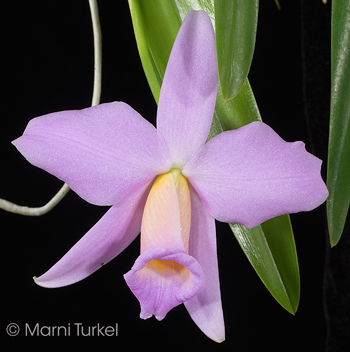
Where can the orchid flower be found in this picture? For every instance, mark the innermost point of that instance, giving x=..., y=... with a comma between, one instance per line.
x=170, y=183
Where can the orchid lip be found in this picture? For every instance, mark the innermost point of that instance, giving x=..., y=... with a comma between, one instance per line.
x=165, y=275
x=162, y=279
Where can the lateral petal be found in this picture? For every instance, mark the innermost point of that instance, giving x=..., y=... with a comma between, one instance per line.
x=104, y=241
x=189, y=88
x=250, y=175
x=205, y=309
x=104, y=153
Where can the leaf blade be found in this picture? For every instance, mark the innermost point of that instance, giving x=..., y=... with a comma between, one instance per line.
x=338, y=167
x=266, y=256
x=235, y=29
x=155, y=32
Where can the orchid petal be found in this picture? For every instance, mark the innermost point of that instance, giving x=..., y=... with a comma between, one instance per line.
x=104, y=153
x=188, y=92
x=205, y=309
x=163, y=278
x=164, y=275
x=250, y=175
x=104, y=241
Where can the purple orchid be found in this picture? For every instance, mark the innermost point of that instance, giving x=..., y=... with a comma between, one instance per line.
x=170, y=183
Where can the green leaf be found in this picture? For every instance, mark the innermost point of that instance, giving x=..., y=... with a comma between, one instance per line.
x=338, y=168
x=273, y=241
x=235, y=29
x=267, y=247
x=155, y=25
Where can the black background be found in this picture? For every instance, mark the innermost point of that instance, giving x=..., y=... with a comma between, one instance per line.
x=47, y=54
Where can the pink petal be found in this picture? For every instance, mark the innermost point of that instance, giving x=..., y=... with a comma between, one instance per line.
x=109, y=237
x=162, y=278
x=250, y=175
x=205, y=309
x=188, y=93
x=104, y=153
